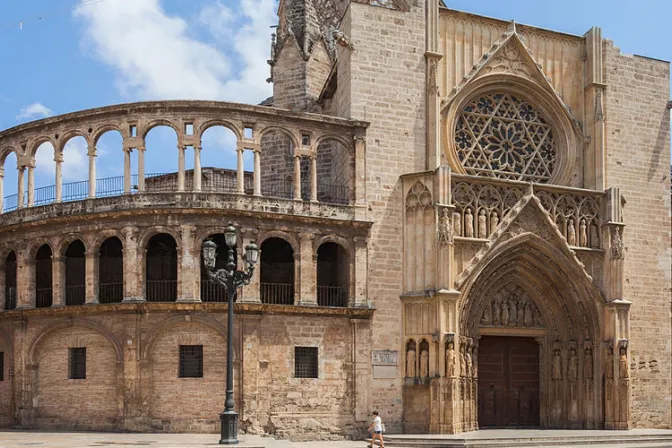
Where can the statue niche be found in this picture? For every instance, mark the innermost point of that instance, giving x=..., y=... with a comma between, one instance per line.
x=410, y=359
x=511, y=308
x=424, y=359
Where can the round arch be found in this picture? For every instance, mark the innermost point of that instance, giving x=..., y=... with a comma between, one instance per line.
x=148, y=233
x=296, y=142
x=218, y=122
x=104, y=129
x=288, y=237
x=327, y=137
x=161, y=122
x=35, y=144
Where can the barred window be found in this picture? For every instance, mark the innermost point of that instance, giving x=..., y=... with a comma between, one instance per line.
x=305, y=362
x=501, y=135
x=2, y=366
x=191, y=361
x=77, y=363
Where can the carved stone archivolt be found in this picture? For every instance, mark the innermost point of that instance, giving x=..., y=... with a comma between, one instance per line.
x=511, y=307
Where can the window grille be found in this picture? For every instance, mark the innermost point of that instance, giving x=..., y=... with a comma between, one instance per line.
x=2, y=366
x=305, y=362
x=191, y=361
x=77, y=363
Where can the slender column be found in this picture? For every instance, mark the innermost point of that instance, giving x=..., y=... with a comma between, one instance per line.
x=91, y=292
x=92, y=170
x=141, y=169
x=2, y=188
x=133, y=268
x=31, y=185
x=189, y=263
x=21, y=187
x=361, y=269
x=58, y=159
x=313, y=179
x=180, y=169
x=307, y=270
x=257, y=173
x=297, y=178
x=197, y=168
x=57, y=281
x=127, y=170
x=240, y=174
x=3, y=288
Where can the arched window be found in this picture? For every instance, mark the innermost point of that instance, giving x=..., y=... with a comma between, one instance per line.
x=111, y=271
x=10, y=281
x=501, y=135
x=75, y=274
x=277, y=272
x=333, y=275
x=210, y=291
x=43, y=285
x=161, y=269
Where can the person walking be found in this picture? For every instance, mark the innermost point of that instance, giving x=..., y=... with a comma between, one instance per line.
x=376, y=429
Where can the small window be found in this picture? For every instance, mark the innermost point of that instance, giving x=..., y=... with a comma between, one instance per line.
x=305, y=139
x=305, y=362
x=191, y=361
x=133, y=129
x=77, y=363
x=2, y=366
x=248, y=132
x=189, y=128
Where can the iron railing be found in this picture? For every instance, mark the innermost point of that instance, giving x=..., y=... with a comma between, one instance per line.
x=161, y=290
x=110, y=292
x=75, y=295
x=10, y=297
x=333, y=194
x=213, y=292
x=277, y=189
x=277, y=293
x=332, y=296
x=43, y=298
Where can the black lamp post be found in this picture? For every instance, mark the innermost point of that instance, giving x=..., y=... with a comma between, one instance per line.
x=232, y=279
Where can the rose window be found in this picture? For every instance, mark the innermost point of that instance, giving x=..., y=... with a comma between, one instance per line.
x=500, y=135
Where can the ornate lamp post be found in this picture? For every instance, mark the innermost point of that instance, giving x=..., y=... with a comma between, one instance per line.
x=232, y=279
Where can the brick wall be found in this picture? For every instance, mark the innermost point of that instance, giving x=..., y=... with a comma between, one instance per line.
x=6, y=396
x=638, y=162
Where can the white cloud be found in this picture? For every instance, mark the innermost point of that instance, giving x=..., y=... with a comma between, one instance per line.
x=75, y=162
x=35, y=110
x=155, y=57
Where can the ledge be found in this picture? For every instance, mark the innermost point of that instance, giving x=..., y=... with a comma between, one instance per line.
x=199, y=307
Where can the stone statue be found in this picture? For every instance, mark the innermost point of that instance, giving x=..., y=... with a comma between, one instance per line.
x=495, y=313
x=609, y=367
x=521, y=313
x=557, y=365
x=513, y=311
x=571, y=233
x=469, y=224
x=505, y=313
x=482, y=225
x=463, y=361
x=457, y=224
x=623, y=369
x=616, y=244
x=573, y=365
x=529, y=319
x=588, y=364
x=583, y=235
x=469, y=367
x=424, y=364
x=486, y=319
x=450, y=360
x=494, y=222
x=536, y=317
x=445, y=231
x=410, y=363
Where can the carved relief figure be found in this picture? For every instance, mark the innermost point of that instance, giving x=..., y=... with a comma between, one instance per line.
x=520, y=321
x=445, y=232
x=583, y=235
x=505, y=313
x=410, y=363
x=496, y=313
x=557, y=365
x=513, y=310
x=609, y=363
x=573, y=365
x=537, y=318
x=616, y=244
x=467, y=356
x=623, y=368
x=588, y=364
x=571, y=233
x=482, y=225
x=450, y=360
x=424, y=364
x=463, y=361
x=469, y=224
x=516, y=310
x=457, y=224
x=494, y=222
x=528, y=320
x=486, y=319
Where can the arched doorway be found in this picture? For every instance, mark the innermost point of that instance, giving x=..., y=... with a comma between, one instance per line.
x=333, y=275
x=10, y=281
x=111, y=271
x=161, y=269
x=75, y=274
x=43, y=276
x=277, y=272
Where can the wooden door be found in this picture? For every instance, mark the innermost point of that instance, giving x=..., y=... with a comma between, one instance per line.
x=508, y=382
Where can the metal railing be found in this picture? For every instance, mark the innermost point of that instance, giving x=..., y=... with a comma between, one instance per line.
x=43, y=298
x=333, y=194
x=75, y=295
x=212, y=292
x=110, y=292
x=277, y=189
x=10, y=297
x=332, y=296
x=277, y=293
x=161, y=290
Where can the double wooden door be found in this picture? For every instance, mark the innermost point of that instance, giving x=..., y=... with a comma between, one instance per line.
x=508, y=382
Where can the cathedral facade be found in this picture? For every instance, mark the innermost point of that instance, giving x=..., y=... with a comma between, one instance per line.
x=464, y=223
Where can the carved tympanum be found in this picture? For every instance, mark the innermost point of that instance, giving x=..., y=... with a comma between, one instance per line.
x=511, y=308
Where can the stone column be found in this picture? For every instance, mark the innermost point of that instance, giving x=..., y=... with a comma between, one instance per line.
x=21, y=187
x=197, y=168
x=240, y=173
x=57, y=281
x=91, y=292
x=141, y=169
x=180, y=168
x=251, y=292
x=92, y=170
x=58, y=159
x=3, y=288
x=251, y=393
x=297, y=178
x=313, y=179
x=31, y=185
x=360, y=297
x=133, y=268
x=127, y=170
x=257, y=173
x=25, y=280
x=188, y=272
x=2, y=189
x=307, y=270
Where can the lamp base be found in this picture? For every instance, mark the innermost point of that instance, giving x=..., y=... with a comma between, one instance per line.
x=229, y=431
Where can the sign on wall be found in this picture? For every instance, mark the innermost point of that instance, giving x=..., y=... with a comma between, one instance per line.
x=384, y=363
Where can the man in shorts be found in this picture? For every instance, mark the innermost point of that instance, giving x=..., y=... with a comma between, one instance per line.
x=376, y=430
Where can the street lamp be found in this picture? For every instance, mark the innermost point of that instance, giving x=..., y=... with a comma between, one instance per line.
x=232, y=279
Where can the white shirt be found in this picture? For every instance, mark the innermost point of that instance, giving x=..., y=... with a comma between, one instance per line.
x=377, y=423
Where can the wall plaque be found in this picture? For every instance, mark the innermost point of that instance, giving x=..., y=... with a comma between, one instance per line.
x=384, y=357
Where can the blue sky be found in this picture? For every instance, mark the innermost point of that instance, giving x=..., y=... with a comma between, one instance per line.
x=89, y=53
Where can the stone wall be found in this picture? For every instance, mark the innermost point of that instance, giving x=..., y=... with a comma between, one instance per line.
x=638, y=162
